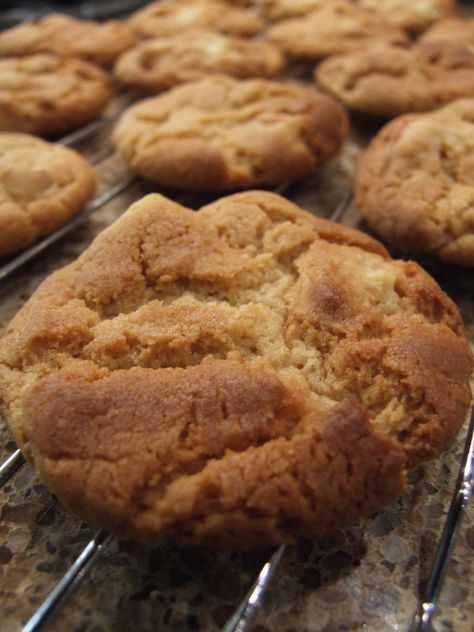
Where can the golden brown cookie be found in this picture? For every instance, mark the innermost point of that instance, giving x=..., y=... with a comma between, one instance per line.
x=220, y=133
x=169, y=17
x=336, y=27
x=161, y=63
x=42, y=185
x=388, y=81
x=234, y=377
x=46, y=94
x=451, y=30
x=281, y=9
x=415, y=182
x=99, y=42
x=413, y=16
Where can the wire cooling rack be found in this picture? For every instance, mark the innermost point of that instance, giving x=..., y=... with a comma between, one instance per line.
x=265, y=570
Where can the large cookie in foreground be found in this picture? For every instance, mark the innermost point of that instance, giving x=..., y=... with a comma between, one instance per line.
x=42, y=185
x=415, y=182
x=221, y=134
x=234, y=377
x=388, y=81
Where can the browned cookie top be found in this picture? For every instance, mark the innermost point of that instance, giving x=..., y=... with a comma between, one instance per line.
x=160, y=63
x=42, y=185
x=413, y=16
x=46, y=94
x=168, y=17
x=233, y=377
x=387, y=80
x=336, y=27
x=100, y=42
x=220, y=133
x=415, y=182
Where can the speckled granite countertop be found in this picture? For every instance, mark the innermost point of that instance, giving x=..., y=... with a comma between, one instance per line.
x=366, y=578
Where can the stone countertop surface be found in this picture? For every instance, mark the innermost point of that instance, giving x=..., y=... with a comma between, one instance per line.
x=366, y=578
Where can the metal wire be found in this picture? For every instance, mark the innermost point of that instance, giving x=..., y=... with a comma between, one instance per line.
x=247, y=609
x=462, y=492
x=9, y=467
x=86, y=131
x=342, y=207
x=69, y=582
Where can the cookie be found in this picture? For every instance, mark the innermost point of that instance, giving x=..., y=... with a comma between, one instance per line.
x=46, y=94
x=337, y=27
x=42, y=185
x=281, y=9
x=451, y=30
x=413, y=16
x=220, y=133
x=99, y=42
x=161, y=63
x=235, y=377
x=415, y=184
x=388, y=81
x=170, y=17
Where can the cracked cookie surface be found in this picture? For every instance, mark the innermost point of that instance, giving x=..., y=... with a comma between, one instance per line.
x=46, y=94
x=388, y=81
x=42, y=185
x=161, y=63
x=234, y=377
x=162, y=19
x=221, y=133
x=336, y=27
x=415, y=185
x=63, y=35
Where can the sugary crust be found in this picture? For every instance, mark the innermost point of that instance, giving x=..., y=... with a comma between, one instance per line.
x=413, y=16
x=161, y=63
x=46, y=94
x=454, y=30
x=63, y=35
x=170, y=17
x=388, y=81
x=42, y=185
x=234, y=377
x=220, y=133
x=337, y=27
x=415, y=185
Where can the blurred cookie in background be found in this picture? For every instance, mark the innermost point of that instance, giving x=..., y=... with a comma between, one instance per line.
x=336, y=27
x=451, y=30
x=160, y=63
x=415, y=183
x=42, y=185
x=387, y=81
x=66, y=36
x=47, y=95
x=413, y=16
x=169, y=17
